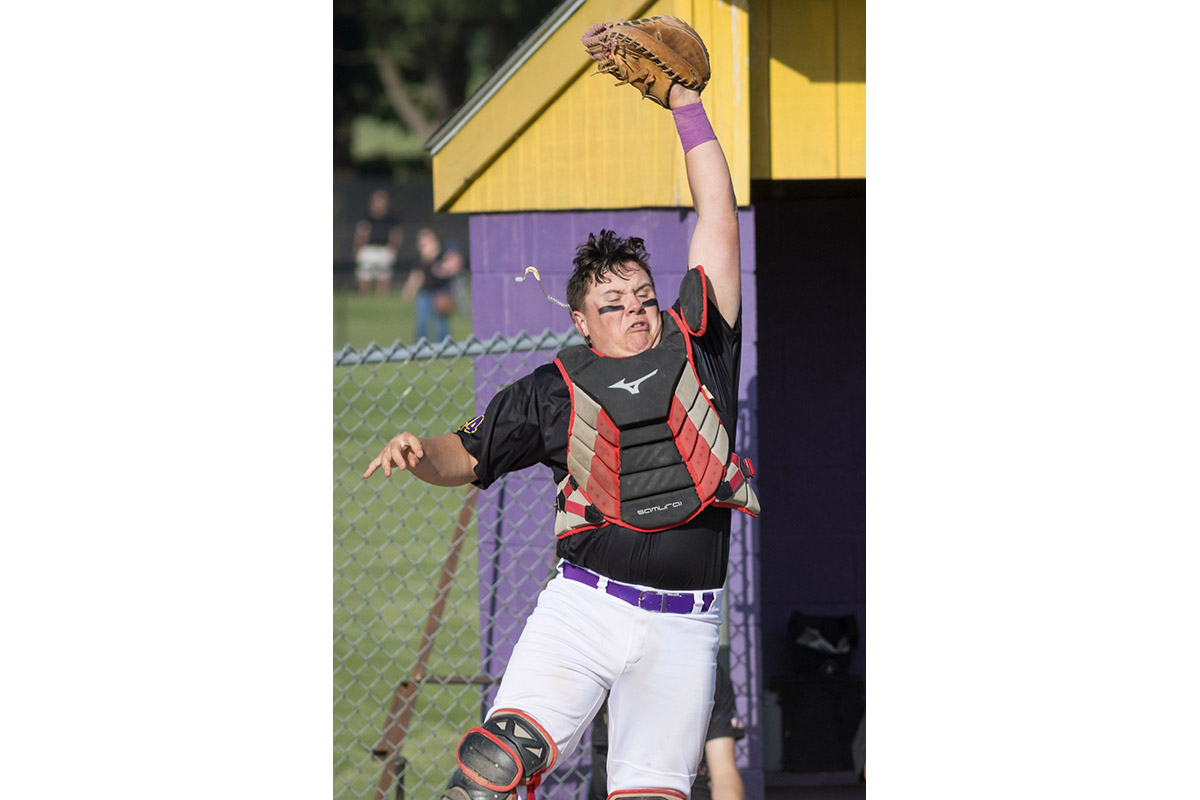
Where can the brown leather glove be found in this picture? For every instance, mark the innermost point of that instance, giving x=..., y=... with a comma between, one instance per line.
x=649, y=54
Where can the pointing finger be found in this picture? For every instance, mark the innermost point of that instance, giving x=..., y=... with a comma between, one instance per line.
x=371, y=469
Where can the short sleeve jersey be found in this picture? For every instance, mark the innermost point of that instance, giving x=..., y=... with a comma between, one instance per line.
x=528, y=423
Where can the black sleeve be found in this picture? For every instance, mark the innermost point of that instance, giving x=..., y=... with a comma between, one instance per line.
x=724, y=721
x=523, y=425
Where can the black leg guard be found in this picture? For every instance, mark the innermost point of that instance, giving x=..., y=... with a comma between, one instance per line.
x=510, y=749
x=463, y=788
x=534, y=747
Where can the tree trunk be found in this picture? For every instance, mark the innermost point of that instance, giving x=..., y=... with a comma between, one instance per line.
x=398, y=96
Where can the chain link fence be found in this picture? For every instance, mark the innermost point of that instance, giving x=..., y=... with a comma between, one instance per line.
x=432, y=585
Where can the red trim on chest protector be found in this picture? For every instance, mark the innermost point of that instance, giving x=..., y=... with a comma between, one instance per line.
x=562, y=370
x=683, y=328
x=603, y=479
x=701, y=463
x=604, y=472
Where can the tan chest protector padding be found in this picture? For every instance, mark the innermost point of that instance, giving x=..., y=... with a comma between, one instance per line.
x=647, y=449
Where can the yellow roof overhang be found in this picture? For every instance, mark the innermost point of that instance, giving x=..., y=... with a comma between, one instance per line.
x=596, y=127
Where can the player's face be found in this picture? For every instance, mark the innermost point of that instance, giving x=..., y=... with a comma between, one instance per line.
x=621, y=314
x=427, y=244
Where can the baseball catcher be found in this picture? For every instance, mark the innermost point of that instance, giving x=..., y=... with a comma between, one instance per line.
x=637, y=426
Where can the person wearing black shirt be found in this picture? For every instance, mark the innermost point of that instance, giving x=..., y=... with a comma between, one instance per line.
x=377, y=239
x=638, y=428
x=431, y=284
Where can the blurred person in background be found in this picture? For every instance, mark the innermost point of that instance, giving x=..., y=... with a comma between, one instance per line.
x=432, y=284
x=377, y=239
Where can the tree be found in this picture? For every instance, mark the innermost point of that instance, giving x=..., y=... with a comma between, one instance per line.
x=417, y=60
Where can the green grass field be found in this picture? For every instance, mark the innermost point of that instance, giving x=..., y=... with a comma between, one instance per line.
x=360, y=320
x=391, y=536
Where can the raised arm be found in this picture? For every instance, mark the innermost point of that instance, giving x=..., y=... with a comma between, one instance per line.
x=666, y=61
x=716, y=242
x=440, y=460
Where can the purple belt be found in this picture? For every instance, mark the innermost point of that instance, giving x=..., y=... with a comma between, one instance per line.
x=645, y=599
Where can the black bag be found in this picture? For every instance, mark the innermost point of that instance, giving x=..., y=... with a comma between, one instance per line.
x=822, y=645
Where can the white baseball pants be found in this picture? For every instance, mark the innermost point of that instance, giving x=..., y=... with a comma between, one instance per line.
x=658, y=668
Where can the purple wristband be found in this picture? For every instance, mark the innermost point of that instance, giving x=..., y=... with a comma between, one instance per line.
x=693, y=125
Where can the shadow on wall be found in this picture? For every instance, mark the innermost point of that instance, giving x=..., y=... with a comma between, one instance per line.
x=824, y=42
x=812, y=404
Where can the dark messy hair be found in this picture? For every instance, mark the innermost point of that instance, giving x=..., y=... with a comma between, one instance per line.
x=601, y=256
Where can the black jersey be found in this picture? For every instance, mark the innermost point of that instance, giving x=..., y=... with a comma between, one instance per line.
x=434, y=282
x=381, y=228
x=527, y=423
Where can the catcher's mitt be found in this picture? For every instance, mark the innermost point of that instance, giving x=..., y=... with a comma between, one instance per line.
x=649, y=54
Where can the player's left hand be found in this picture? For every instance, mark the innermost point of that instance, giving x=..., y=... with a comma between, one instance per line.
x=403, y=452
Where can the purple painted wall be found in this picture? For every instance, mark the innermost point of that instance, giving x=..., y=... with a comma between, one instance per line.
x=812, y=464
x=502, y=245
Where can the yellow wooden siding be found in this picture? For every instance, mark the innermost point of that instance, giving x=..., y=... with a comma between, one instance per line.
x=467, y=155
x=726, y=30
x=787, y=100
x=596, y=145
x=812, y=98
x=760, y=89
x=852, y=89
x=803, y=89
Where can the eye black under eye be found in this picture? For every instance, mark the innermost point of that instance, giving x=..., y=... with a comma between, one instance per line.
x=607, y=309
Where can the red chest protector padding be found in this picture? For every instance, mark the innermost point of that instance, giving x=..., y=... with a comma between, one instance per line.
x=647, y=449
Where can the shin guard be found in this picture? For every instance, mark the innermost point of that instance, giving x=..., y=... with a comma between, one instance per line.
x=507, y=751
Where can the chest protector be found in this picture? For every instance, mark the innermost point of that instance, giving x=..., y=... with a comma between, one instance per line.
x=647, y=449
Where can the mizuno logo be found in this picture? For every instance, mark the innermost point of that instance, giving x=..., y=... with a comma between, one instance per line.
x=632, y=388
